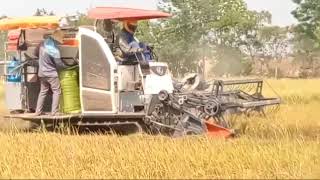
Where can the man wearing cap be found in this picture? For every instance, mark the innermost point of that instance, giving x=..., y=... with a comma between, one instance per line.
x=129, y=45
x=49, y=65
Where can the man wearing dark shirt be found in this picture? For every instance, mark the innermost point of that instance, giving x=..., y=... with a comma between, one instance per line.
x=49, y=65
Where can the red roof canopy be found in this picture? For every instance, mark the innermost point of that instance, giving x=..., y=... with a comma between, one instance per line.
x=125, y=13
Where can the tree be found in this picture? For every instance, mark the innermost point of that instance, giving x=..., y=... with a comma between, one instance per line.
x=308, y=15
x=307, y=32
x=3, y=38
x=251, y=42
x=276, y=46
x=43, y=12
x=307, y=53
x=83, y=20
x=231, y=62
x=198, y=29
x=276, y=41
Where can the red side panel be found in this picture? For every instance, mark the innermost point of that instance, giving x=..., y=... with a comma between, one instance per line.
x=14, y=34
x=12, y=46
x=13, y=37
x=218, y=131
x=125, y=13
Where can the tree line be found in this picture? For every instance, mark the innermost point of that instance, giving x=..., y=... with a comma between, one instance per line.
x=236, y=40
x=231, y=38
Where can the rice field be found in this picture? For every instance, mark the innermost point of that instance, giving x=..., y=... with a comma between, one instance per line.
x=284, y=145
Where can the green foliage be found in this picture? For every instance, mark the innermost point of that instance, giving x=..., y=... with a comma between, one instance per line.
x=198, y=29
x=223, y=31
x=305, y=47
x=308, y=14
x=84, y=20
x=307, y=33
x=307, y=52
x=232, y=61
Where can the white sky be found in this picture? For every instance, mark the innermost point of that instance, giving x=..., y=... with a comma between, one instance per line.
x=62, y=7
x=280, y=9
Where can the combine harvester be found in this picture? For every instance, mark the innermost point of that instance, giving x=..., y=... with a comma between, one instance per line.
x=116, y=94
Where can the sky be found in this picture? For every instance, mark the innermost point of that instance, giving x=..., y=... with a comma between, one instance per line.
x=62, y=7
x=280, y=9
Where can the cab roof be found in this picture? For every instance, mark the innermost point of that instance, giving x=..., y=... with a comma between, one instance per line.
x=117, y=13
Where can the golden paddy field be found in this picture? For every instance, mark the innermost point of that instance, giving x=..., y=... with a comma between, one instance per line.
x=285, y=144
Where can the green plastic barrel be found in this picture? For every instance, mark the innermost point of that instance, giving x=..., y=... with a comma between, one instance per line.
x=69, y=80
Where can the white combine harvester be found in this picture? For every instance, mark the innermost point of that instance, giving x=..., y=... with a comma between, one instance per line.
x=112, y=93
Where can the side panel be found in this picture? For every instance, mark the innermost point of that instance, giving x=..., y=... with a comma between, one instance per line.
x=127, y=75
x=159, y=79
x=97, y=72
x=97, y=101
x=13, y=96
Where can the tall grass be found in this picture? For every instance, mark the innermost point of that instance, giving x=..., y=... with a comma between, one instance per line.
x=57, y=156
x=292, y=121
x=294, y=91
x=285, y=144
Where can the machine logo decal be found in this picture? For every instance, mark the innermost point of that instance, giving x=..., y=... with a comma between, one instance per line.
x=159, y=70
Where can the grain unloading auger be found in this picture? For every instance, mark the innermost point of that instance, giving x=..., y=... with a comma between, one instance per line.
x=121, y=95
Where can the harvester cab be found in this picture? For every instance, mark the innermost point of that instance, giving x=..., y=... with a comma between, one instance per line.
x=100, y=90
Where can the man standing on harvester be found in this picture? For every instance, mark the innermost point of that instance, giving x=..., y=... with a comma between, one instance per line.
x=49, y=65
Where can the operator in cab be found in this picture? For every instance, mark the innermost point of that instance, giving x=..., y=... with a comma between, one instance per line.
x=130, y=47
x=49, y=65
